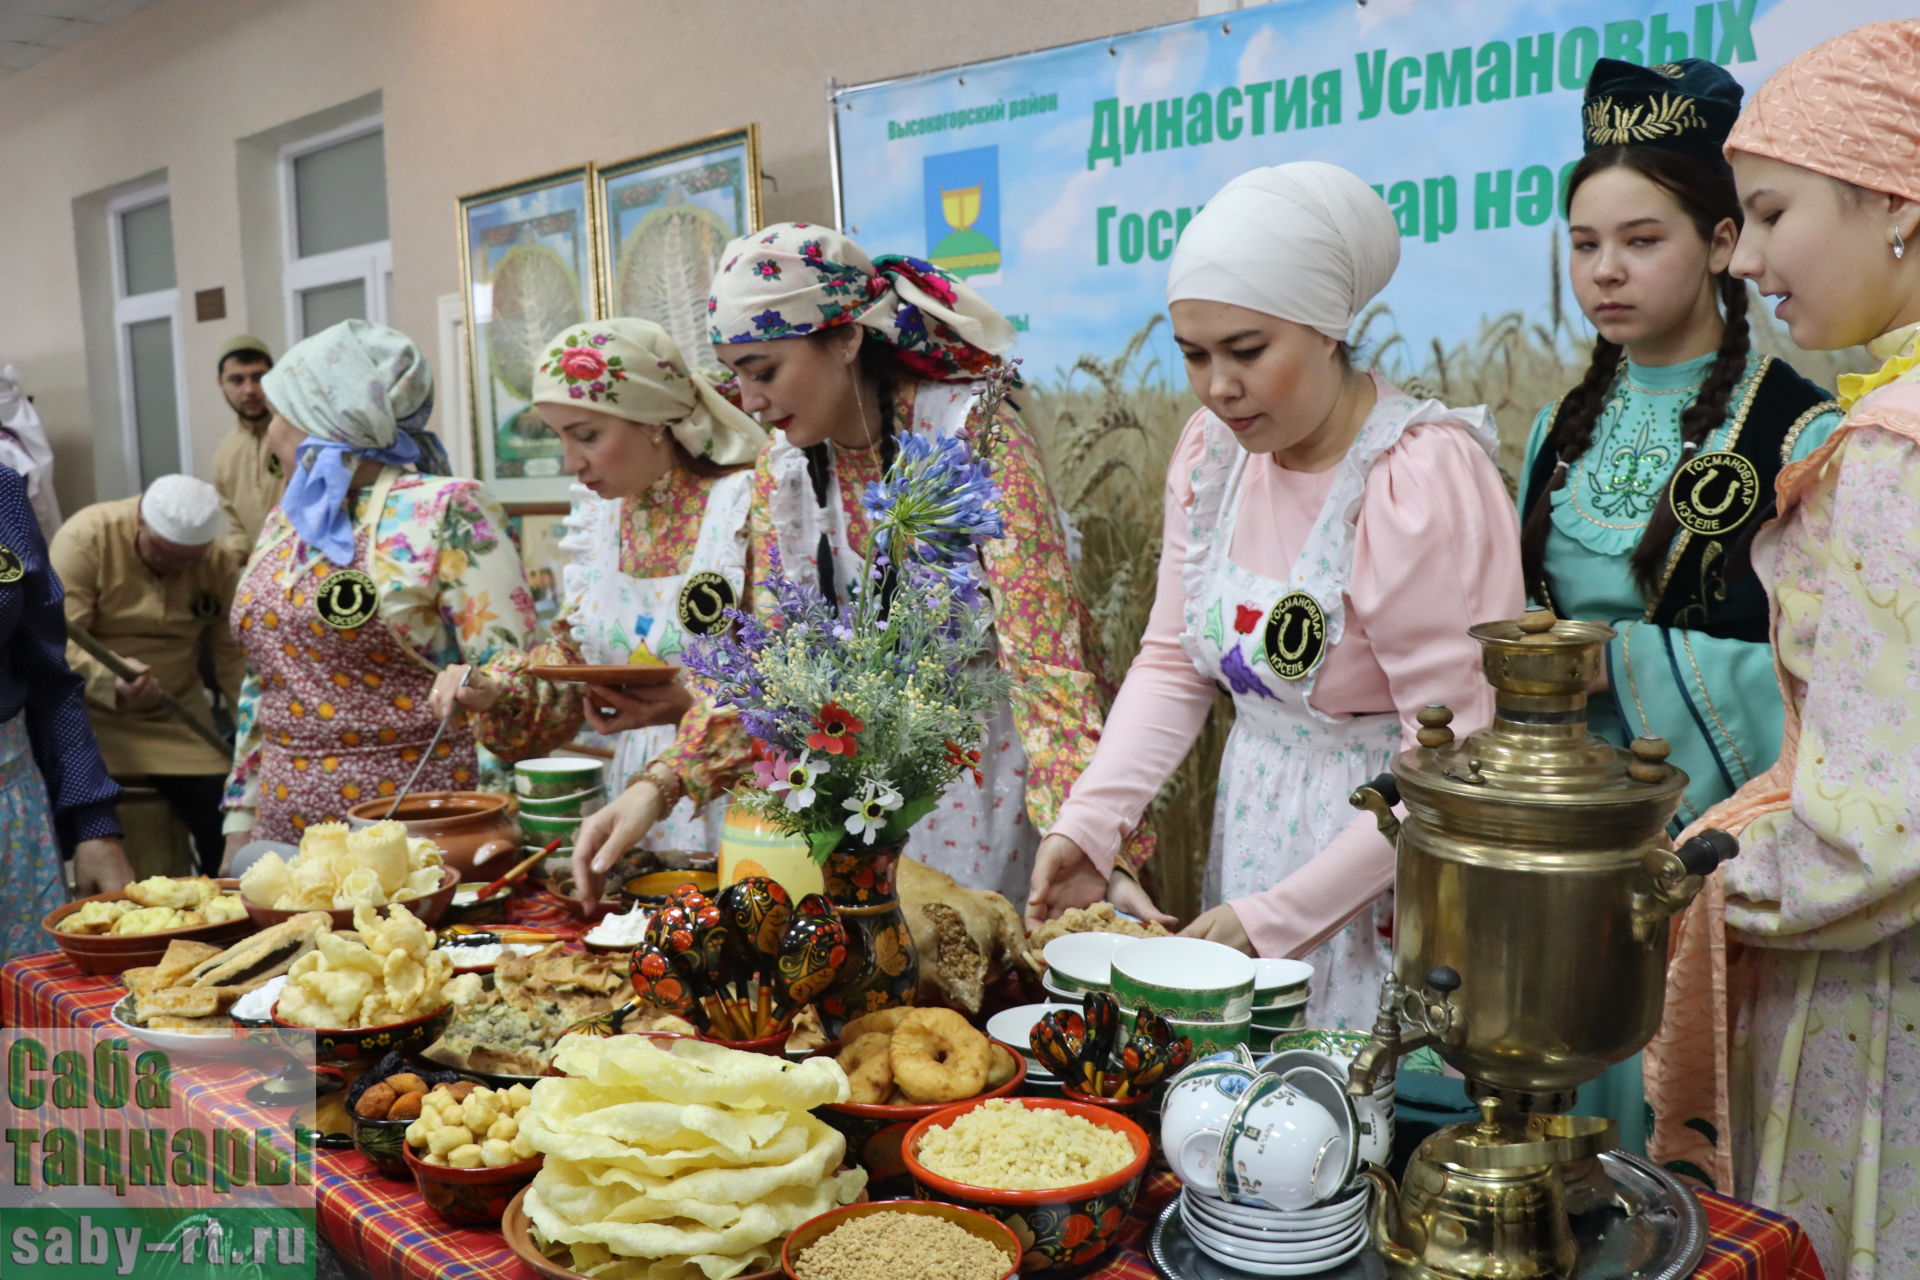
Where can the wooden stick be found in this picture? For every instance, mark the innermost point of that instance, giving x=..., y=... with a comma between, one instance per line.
x=517, y=872
x=113, y=662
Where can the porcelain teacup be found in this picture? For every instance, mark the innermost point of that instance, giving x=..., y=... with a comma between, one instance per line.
x=1200, y=1100
x=1281, y=1149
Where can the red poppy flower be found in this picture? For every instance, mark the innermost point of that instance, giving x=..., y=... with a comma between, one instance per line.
x=1245, y=619
x=966, y=761
x=837, y=727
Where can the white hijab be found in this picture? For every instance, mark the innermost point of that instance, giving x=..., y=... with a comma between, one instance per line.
x=1306, y=241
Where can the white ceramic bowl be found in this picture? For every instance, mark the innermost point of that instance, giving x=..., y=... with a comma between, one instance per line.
x=1187, y=978
x=1281, y=1148
x=1275, y=981
x=1015, y=1026
x=1081, y=962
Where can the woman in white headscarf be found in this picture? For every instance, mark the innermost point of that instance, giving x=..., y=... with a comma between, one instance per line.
x=375, y=570
x=1328, y=541
x=662, y=467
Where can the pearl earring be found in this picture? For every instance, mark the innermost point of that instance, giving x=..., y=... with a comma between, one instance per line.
x=1899, y=245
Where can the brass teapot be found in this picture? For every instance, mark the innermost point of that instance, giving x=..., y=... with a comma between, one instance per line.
x=1534, y=884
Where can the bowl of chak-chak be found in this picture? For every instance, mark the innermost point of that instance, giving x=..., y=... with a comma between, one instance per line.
x=380, y=989
x=675, y=1160
x=339, y=871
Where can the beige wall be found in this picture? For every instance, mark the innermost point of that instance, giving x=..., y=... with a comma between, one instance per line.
x=475, y=93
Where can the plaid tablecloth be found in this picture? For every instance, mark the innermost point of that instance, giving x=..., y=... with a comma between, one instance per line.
x=382, y=1227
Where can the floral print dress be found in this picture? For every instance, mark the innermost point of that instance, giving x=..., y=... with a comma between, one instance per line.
x=1045, y=735
x=449, y=588
x=1820, y=964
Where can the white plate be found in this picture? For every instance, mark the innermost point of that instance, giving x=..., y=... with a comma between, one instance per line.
x=216, y=1043
x=1349, y=1206
x=1219, y=1216
x=1015, y=1026
x=1231, y=1249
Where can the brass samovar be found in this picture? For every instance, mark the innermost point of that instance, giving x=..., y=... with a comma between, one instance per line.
x=1535, y=881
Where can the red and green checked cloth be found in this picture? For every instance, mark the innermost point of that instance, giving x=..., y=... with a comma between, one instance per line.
x=383, y=1228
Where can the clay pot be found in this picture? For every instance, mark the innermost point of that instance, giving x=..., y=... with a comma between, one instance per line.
x=472, y=828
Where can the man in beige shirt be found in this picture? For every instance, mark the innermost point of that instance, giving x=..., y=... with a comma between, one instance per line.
x=245, y=471
x=151, y=579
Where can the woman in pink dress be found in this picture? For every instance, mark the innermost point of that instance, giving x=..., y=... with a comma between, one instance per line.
x=1329, y=539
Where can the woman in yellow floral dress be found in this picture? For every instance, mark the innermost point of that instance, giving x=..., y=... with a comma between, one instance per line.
x=374, y=571
x=1796, y=979
x=842, y=355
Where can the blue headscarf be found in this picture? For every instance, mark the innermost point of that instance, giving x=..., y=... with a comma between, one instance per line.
x=361, y=392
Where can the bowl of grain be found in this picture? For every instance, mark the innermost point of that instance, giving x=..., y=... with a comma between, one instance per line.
x=902, y=1240
x=1061, y=1175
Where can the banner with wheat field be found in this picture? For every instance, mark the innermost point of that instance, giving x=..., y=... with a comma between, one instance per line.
x=1057, y=182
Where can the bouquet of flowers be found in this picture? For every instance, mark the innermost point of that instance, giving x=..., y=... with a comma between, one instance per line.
x=864, y=712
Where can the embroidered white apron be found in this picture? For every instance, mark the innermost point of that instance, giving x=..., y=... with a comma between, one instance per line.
x=979, y=835
x=608, y=609
x=1288, y=766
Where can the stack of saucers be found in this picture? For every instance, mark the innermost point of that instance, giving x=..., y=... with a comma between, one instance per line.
x=1280, y=991
x=1278, y=1242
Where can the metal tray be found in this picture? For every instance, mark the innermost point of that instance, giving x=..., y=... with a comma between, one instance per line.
x=1655, y=1230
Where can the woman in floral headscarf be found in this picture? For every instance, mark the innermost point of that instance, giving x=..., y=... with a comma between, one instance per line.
x=374, y=571
x=658, y=534
x=844, y=356
x=1785, y=1065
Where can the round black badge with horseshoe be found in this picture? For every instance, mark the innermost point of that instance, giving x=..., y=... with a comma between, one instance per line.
x=1295, y=638
x=704, y=600
x=345, y=600
x=206, y=607
x=1714, y=493
x=11, y=570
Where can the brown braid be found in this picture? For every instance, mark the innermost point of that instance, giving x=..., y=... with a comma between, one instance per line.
x=1701, y=418
x=1570, y=434
x=1706, y=193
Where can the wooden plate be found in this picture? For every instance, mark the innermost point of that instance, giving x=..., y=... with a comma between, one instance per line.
x=616, y=674
x=517, y=1227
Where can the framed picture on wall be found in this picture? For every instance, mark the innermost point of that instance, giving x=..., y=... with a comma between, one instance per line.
x=663, y=218
x=527, y=270
x=537, y=529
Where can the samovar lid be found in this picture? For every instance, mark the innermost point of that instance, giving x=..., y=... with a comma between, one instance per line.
x=1539, y=757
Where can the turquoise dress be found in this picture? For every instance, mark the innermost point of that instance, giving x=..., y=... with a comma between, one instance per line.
x=1715, y=699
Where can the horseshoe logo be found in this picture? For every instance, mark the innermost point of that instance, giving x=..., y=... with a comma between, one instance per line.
x=274, y=468
x=206, y=607
x=1712, y=494
x=345, y=600
x=704, y=601
x=1295, y=638
x=11, y=570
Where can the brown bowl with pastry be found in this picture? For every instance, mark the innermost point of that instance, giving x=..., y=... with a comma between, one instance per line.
x=903, y=1065
x=114, y=932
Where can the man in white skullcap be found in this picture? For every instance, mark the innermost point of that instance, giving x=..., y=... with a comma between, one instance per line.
x=152, y=578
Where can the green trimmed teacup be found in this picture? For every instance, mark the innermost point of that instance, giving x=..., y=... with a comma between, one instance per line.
x=552, y=776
